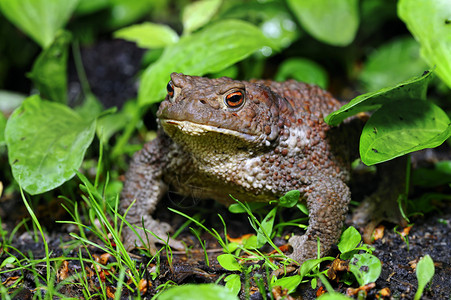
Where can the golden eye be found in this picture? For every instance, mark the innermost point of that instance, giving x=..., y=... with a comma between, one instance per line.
x=235, y=99
x=170, y=88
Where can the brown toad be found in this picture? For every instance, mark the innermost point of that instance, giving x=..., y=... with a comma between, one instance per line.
x=254, y=140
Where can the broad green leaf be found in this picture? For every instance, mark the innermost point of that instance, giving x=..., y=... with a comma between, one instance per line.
x=265, y=230
x=91, y=6
x=40, y=19
x=413, y=88
x=46, y=143
x=349, y=240
x=198, y=291
x=365, y=267
x=229, y=262
x=274, y=20
x=391, y=63
x=290, y=199
x=49, y=72
x=210, y=50
x=333, y=296
x=197, y=14
x=148, y=35
x=330, y=21
x=303, y=70
x=310, y=264
x=430, y=23
x=402, y=127
x=124, y=12
x=288, y=282
x=233, y=283
x=425, y=271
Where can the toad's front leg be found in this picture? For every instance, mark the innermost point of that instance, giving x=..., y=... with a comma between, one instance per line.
x=327, y=202
x=144, y=184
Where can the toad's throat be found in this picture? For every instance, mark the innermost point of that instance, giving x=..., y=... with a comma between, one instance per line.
x=196, y=129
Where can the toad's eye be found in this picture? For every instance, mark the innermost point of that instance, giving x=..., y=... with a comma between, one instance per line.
x=170, y=88
x=234, y=99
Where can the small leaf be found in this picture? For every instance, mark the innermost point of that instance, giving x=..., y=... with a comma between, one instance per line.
x=49, y=72
x=310, y=264
x=233, y=283
x=229, y=262
x=265, y=231
x=413, y=88
x=228, y=41
x=333, y=296
x=429, y=22
x=330, y=21
x=59, y=137
x=365, y=267
x=290, y=199
x=148, y=35
x=197, y=14
x=425, y=272
x=8, y=261
x=198, y=292
x=303, y=70
x=40, y=19
x=289, y=282
x=402, y=127
x=349, y=240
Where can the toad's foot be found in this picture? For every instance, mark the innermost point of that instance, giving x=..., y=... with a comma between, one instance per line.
x=156, y=233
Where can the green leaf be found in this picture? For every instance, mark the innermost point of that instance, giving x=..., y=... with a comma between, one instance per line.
x=265, y=230
x=233, y=283
x=2, y=128
x=229, y=262
x=198, y=292
x=430, y=24
x=333, y=296
x=413, y=88
x=124, y=12
x=290, y=199
x=8, y=261
x=330, y=21
x=49, y=72
x=275, y=20
x=425, y=271
x=197, y=14
x=349, y=240
x=365, y=267
x=148, y=35
x=310, y=264
x=402, y=127
x=228, y=41
x=303, y=70
x=289, y=282
x=59, y=139
x=40, y=19
x=391, y=63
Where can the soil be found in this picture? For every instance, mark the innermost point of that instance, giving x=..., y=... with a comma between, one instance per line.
x=110, y=68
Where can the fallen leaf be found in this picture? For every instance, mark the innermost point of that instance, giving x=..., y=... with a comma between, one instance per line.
x=366, y=288
x=378, y=232
x=239, y=240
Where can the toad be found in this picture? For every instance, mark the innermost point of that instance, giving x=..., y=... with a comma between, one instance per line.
x=254, y=140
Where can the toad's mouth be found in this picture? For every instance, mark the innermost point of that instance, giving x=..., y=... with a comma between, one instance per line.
x=196, y=129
